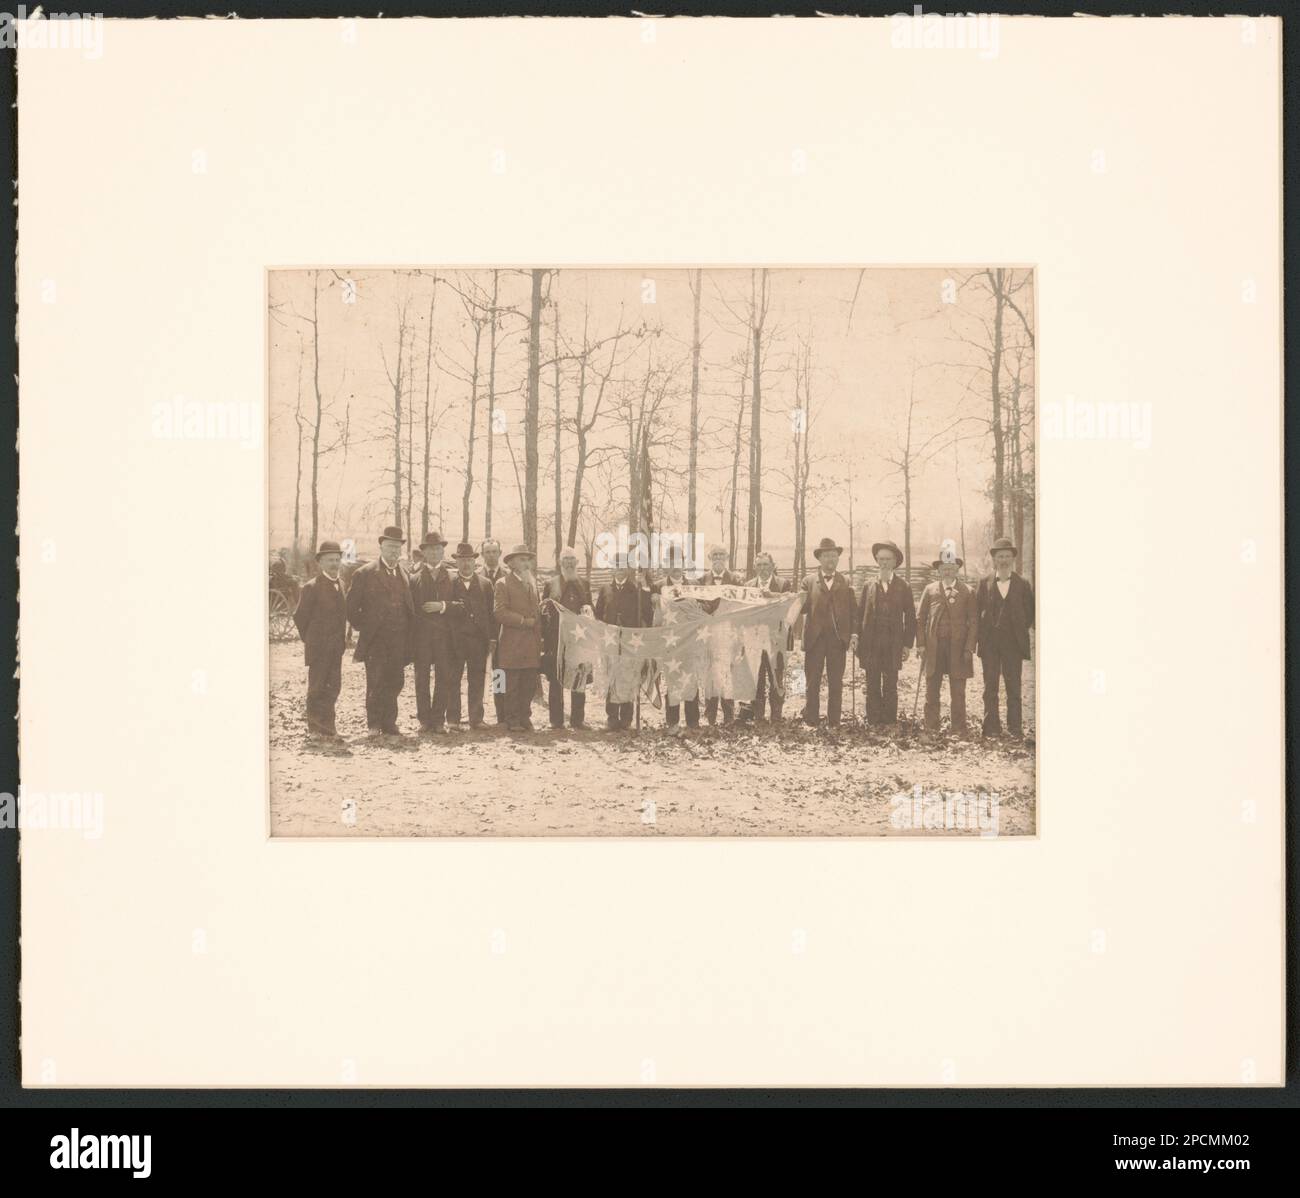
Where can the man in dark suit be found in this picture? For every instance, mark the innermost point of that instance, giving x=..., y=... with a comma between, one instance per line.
x=886, y=631
x=570, y=592
x=381, y=610
x=470, y=615
x=946, y=630
x=767, y=692
x=431, y=640
x=830, y=616
x=516, y=608
x=494, y=571
x=322, y=620
x=1004, y=601
x=622, y=602
x=718, y=575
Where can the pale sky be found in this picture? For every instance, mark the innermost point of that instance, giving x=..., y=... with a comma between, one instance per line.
x=862, y=368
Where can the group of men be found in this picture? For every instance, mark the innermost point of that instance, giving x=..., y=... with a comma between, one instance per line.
x=465, y=621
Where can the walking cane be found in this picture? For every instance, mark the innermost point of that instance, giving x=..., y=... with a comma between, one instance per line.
x=925, y=656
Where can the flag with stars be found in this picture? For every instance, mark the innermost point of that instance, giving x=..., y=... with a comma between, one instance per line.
x=692, y=654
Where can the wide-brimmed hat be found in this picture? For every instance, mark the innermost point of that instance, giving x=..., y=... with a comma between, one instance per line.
x=432, y=537
x=1003, y=543
x=518, y=551
x=894, y=549
x=465, y=549
x=328, y=547
x=826, y=545
x=392, y=533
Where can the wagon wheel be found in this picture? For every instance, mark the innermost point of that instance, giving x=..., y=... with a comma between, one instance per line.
x=282, y=626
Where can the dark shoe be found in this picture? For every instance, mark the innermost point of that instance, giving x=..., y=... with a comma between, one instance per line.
x=579, y=726
x=477, y=726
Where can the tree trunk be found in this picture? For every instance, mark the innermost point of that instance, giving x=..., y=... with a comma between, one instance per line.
x=692, y=468
x=531, y=413
x=473, y=429
x=732, y=527
x=492, y=409
x=428, y=427
x=556, y=466
x=759, y=309
x=997, y=278
x=320, y=408
x=297, y=482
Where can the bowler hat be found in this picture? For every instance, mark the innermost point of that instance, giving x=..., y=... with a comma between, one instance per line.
x=827, y=545
x=956, y=561
x=392, y=533
x=1003, y=543
x=894, y=549
x=327, y=547
x=432, y=538
x=518, y=551
x=464, y=549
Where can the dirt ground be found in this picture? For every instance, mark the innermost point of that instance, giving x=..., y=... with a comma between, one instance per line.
x=743, y=780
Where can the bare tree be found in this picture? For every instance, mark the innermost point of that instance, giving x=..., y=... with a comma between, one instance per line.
x=760, y=296
x=1005, y=290
x=585, y=414
x=494, y=324
x=532, y=409
x=697, y=286
x=428, y=421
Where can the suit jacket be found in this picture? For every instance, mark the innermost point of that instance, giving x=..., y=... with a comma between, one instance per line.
x=519, y=647
x=573, y=596
x=322, y=619
x=775, y=585
x=367, y=608
x=727, y=579
x=829, y=616
x=431, y=584
x=886, y=623
x=492, y=577
x=963, y=628
x=628, y=605
x=472, y=625
x=1019, y=614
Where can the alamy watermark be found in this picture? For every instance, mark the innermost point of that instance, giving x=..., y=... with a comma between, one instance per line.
x=657, y=550
x=1084, y=420
x=79, y=811
x=949, y=810
x=206, y=420
x=920, y=30
x=53, y=31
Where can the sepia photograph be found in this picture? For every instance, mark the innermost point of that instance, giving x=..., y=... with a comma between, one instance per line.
x=677, y=552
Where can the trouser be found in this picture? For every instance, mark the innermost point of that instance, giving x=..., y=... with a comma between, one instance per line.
x=520, y=685
x=728, y=710
x=324, y=680
x=433, y=653
x=882, y=692
x=673, y=713
x=466, y=655
x=555, y=701
x=620, y=715
x=956, y=691
x=498, y=691
x=825, y=655
x=385, y=676
x=1001, y=660
x=766, y=691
